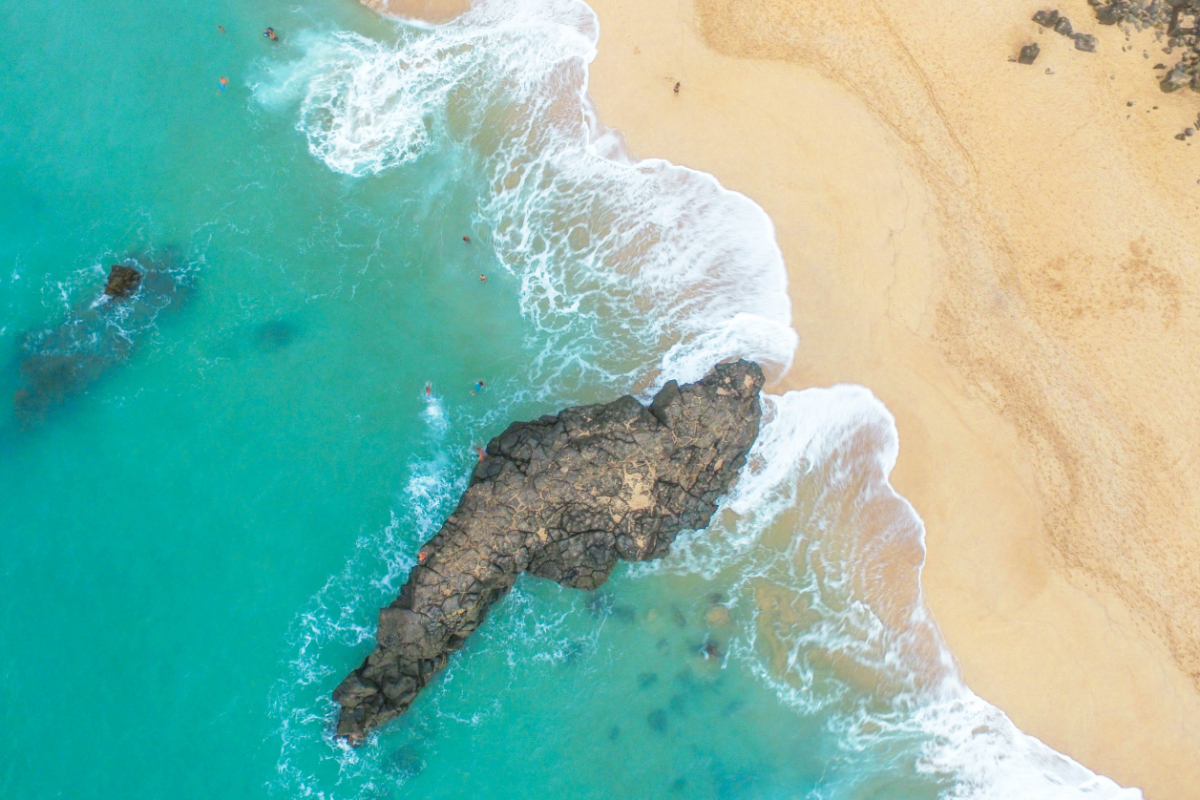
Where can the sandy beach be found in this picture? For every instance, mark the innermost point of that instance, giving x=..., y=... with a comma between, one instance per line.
x=1007, y=255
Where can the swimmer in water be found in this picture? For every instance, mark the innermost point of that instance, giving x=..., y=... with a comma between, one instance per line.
x=467, y=239
x=270, y=34
x=479, y=451
x=428, y=389
x=478, y=387
x=224, y=82
x=482, y=278
x=221, y=28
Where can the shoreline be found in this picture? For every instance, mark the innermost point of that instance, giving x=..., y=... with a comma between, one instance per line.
x=919, y=232
x=1006, y=256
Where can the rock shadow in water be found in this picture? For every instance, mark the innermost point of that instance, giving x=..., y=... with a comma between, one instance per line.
x=275, y=335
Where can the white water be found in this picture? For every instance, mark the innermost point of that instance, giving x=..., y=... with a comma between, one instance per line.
x=621, y=262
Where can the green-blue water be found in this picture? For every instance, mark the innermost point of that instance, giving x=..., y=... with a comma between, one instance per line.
x=194, y=547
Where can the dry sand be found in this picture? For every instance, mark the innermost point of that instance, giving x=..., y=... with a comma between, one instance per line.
x=1009, y=259
x=1009, y=256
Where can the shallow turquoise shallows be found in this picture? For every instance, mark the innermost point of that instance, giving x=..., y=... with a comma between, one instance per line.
x=194, y=546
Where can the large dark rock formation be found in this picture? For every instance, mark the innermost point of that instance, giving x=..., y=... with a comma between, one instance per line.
x=97, y=335
x=564, y=498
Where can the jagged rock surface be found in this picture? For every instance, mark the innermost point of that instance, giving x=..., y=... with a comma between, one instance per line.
x=1175, y=21
x=564, y=498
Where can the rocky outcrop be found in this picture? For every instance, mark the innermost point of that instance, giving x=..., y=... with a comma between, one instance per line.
x=123, y=281
x=1176, y=23
x=563, y=497
x=99, y=334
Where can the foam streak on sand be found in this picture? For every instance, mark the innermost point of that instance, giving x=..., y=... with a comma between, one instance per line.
x=1007, y=256
x=620, y=260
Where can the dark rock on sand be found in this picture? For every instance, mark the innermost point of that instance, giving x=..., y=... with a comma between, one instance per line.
x=1085, y=42
x=1179, y=20
x=1176, y=79
x=99, y=334
x=1063, y=26
x=1047, y=19
x=1108, y=15
x=563, y=497
x=1029, y=53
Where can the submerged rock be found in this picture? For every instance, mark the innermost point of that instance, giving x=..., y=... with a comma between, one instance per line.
x=97, y=335
x=275, y=335
x=122, y=281
x=1177, y=78
x=563, y=497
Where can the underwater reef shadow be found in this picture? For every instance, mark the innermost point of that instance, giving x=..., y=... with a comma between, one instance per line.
x=55, y=365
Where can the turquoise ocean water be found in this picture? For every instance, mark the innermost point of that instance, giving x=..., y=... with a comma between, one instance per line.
x=196, y=544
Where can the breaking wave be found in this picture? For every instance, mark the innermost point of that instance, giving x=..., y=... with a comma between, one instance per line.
x=631, y=273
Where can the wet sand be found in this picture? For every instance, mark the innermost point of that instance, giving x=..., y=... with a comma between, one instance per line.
x=1009, y=259
x=429, y=10
x=1009, y=256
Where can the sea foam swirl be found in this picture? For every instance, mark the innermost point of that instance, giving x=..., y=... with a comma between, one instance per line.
x=614, y=258
x=633, y=272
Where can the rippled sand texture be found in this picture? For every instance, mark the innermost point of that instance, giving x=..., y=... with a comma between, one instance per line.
x=1007, y=256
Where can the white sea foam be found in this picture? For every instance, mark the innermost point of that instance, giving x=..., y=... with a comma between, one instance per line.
x=814, y=522
x=619, y=260
x=614, y=258
x=334, y=616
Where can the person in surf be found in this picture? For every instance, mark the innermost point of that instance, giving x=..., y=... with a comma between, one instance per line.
x=270, y=34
